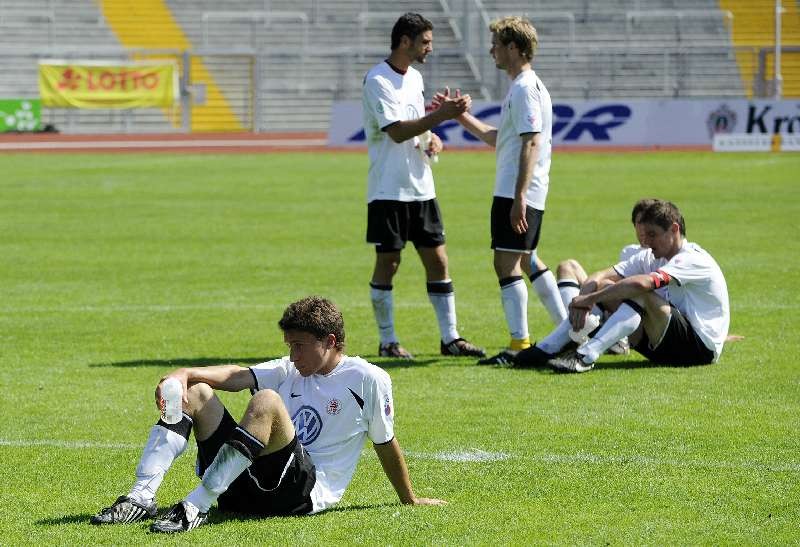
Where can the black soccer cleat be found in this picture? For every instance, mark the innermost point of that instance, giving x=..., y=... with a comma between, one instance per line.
x=532, y=357
x=505, y=357
x=395, y=350
x=181, y=517
x=460, y=347
x=123, y=511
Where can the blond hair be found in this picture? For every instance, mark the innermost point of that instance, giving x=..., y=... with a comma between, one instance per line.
x=516, y=30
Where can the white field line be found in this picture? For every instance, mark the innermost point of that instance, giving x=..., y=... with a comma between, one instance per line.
x=232, y=143
x=476, y=455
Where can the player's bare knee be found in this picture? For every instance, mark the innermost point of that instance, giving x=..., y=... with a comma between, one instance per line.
x=264, y=402
x=199, y=394
x=566, y=269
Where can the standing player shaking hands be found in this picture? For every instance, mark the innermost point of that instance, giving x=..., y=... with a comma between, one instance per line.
x=523, y=142
x=401, y=197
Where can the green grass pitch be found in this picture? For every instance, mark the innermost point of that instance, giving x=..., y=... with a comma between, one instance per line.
x=114, y=269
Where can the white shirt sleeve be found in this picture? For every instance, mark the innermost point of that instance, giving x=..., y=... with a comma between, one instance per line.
x=382, y=102
x=638, y=263
x=687, y=268
x=271, y=375
x=381, y=413
x=527, y=107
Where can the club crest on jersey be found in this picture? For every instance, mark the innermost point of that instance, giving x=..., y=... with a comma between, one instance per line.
x=307, y=424
x=387, y=406
x=334, y=407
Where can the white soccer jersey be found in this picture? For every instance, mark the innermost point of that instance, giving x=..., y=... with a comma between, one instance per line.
x=526, y=109
x=396, y=170
x=332, y=415
x=628, y=251
x=696, y=287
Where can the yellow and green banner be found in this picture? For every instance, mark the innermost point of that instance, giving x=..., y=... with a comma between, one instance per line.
x=90, y=84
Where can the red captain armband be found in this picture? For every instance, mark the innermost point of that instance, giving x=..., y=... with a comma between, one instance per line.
x=660, y=278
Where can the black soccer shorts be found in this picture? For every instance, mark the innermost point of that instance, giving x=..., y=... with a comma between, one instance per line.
x=680, y=345
x=276, y=484
x=504, y=238
x=390, y=224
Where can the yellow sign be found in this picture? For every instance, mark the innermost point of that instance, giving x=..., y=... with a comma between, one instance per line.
x=87, y=84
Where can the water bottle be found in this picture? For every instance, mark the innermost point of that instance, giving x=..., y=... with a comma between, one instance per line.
x=581, y=336
x=171, y=401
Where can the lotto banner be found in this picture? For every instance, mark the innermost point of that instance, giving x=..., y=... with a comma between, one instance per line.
x=625, y=123
x=94, y=85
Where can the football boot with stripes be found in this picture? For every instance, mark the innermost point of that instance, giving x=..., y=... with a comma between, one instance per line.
x=504, y=358
x=460, y=347
x=181, y=517
x=123, y=511
x=395, y=350
x=570, y=361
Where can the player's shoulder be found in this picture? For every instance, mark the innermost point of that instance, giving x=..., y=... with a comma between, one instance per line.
x=693, y=254
x=280, y=362
x=378, y=73
x=362, y=367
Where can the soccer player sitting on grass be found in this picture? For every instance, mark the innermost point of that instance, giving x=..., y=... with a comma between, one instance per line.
x=296, y=448
x=686, y=324
x=571, y=275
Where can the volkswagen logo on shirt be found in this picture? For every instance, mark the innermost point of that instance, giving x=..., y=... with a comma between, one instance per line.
x=307, y=424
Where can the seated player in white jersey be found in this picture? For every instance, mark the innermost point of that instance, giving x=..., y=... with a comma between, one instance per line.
x=296, y=448
x=571, y=275
x=670, y=298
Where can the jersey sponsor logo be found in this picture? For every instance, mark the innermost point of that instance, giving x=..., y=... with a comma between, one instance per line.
x=307, y=424
x=387, y=406
x=334, y=407
x=595, y=125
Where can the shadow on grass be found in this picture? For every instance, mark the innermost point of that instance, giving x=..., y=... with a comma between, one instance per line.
x=384, y=362
x=186, y=362
x=82, y=518
x=217, y=515
x=601, y=366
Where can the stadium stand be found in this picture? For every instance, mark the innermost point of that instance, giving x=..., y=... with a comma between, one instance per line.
x=279, y=64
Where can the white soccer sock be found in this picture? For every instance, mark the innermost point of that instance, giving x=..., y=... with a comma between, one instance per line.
x=162, y=447
x=620, y=324
x=514, y=296
x=443, y=299
x=568, y=289
x=233, y=458
x=383, y=306
x=544, y=283
x=557, y=339
x=226, y=467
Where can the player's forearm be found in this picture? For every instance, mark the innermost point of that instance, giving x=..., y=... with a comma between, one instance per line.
x=394, y=465
x=408, y=129
x=477, y=128
x=629, y=287
x=223, y=377
x=528, y=156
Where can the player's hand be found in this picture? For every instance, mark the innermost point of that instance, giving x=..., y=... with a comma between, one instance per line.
x=579, y=308
x=182, y=377
x=518, y=221
x=428, y=501
x=439, y=98
x=435, y=145
x=454, y=106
